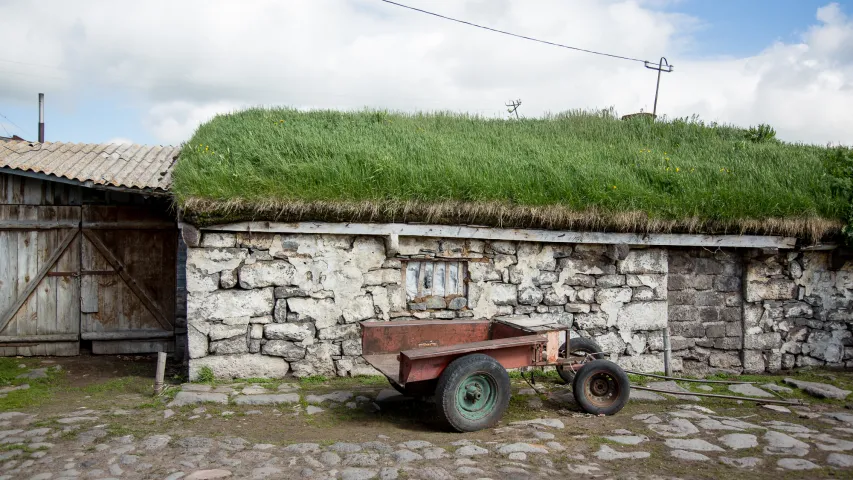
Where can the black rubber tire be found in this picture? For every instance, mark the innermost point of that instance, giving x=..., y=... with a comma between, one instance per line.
x=601, y=387
x=578, y=344
x=452, y=379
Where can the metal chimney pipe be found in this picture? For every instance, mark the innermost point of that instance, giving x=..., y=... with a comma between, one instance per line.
x=41, y=118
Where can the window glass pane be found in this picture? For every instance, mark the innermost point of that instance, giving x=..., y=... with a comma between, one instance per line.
x=412, y=271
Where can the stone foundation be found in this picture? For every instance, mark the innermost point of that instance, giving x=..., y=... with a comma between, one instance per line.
x=270, y=305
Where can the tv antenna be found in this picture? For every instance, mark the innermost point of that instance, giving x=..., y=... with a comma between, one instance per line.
x=512, y=107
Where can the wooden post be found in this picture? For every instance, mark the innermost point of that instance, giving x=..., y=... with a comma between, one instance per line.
x=667, y=353
x=160, y=374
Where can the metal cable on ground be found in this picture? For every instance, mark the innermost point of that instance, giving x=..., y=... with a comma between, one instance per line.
x=715, y=395
x=620, y=57
x=694, y=380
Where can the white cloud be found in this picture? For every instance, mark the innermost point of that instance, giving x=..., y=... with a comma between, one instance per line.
x=186, y=61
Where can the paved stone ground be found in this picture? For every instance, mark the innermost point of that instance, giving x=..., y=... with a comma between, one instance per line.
x=346, y=430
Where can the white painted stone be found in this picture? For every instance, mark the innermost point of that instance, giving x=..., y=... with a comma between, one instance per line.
x=265, y=274
x=199, y=282
x=641, y=316
x=239, y=366
x=221, y=332
x=223, y=304
x=323, y=312
x=645, y=261
x=214, y=260
x=358, y=308
x=197, y=342
x=218, y=240
x=296, y=332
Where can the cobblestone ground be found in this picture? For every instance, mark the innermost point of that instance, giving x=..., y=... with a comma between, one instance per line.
x=100, y=422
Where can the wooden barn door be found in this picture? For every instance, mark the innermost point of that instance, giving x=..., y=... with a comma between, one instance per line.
x=127, y=280
x=39, y=282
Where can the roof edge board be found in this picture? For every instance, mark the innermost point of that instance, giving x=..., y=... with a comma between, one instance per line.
x=512, y=234
x=85, y=184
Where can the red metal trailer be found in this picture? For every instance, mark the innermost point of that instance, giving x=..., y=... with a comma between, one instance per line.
x=464, y=364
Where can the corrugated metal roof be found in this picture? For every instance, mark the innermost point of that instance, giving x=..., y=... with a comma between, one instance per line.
x=116, y=165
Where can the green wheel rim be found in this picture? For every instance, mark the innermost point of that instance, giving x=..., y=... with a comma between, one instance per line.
x=477, y=396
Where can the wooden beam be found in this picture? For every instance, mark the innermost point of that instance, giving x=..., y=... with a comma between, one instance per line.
x=131, y=282
x=60, y=337
x=131, y=225
x=512, y=234
x=31, y=225
x=9, y=314
x=127, y=335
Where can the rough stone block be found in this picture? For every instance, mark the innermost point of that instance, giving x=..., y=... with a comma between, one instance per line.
x=788, y=361
x=733, y=299
x=734, y=329
x=715, y=330
x=753, y=362
x=684, y=297
x=687, y=329
x=457, y=303
x=318, y=361
x=681, y=262
x=727, y=343
x=610, y=281
x=561, y=318
x=218, y=240
x=545, y=278
x=619, y=295
x=642, y=316
x=289, y=331
x=339, y=332
x=730, y=314
x=530, y=296
x=644, y=294
x=223, y=304
x=727, y=283
x=586, y=295
x=589, y=321
x=220, y=332
x=763, y=341
x=383, y=276
x=774, y=289
x=709, y=266
x=724, y=359
x=650, y=260
x=214, y=260
x=323, y=312
x=483, y=272
x=197, y=342
x=256, y=241
x=798, y=310
x=610, y=343
x=708, y=314
x=285, y=349
x=228, y=279
x=351, y=347
x=506, y=248
x=709, y=298
x=551, y=297
x=265, y=274
x=239, y=366
x=279, y=314
x=677, y=343
x=578, y=308
x=586, y=266
x=683, y=313
x=199, y=282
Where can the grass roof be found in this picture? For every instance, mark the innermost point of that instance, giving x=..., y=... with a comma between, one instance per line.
x=577, y=170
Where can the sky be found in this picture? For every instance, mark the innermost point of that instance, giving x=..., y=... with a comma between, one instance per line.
x=150, y=72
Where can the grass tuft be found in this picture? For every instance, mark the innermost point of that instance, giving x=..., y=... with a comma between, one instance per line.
x=575, y=170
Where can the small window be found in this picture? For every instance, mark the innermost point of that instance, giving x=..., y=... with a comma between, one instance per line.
x=434, y=278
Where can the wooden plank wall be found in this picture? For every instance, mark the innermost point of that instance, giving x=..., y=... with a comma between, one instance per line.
x=53, y=308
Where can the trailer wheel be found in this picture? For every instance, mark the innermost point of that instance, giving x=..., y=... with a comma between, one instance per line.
x=473, y=393
x=578, y=346
x=601, y=387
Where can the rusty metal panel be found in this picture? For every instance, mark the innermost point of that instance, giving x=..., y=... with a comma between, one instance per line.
x=502, y=330
x=429, y=368
x=393, y=337
x=128, y=166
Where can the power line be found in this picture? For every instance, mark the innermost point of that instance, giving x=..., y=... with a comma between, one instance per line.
x=13, y=123
x=620, y=57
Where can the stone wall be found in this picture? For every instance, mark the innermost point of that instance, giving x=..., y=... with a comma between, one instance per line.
x=269, y=305
x=797, y=312
x=706, y=309
x=266, y=305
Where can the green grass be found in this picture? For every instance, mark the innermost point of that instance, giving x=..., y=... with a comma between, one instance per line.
x=40, y=389
x=574, y=169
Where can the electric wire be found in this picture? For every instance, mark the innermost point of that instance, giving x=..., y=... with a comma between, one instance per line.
x=525, y=37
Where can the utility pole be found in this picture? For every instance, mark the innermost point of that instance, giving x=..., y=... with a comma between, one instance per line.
x=663, y=66
x=513, y=107
x=41, y=118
